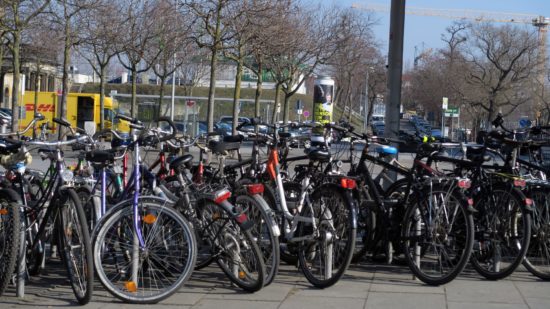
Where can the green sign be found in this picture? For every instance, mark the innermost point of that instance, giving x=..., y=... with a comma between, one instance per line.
x=452, y=112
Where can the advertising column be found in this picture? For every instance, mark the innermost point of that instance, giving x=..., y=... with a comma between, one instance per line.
x=323, y=92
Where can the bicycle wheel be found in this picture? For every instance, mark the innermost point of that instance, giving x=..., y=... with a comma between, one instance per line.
x=263, y=233
x=10, y=226
x=327, y=251
x=289, y=251
x=438, y=235
x=189, y=207
x=75, y=245
x=537, y=258
x=503, y=231
x=146, y=274
x=236, y=252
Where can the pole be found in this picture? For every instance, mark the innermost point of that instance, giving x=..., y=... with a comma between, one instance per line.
x=366, y=106
x=442, y=123
x=173, y=90
x=395, y=67
x=395, y=70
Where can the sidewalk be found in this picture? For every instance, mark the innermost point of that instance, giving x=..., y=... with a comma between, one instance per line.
x=364, y=286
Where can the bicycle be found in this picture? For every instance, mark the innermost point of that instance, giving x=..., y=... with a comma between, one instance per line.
x=144, y=250
x=57, y=212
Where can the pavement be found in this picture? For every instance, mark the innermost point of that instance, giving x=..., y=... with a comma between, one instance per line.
x=365, y=285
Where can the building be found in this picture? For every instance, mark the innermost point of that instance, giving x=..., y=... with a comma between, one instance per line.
x=37, y=72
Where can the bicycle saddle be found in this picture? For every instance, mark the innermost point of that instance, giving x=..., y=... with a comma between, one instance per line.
x=233, y=138
x=181, y=162
x=316, y=154
x=221, y=147
x=100, y=156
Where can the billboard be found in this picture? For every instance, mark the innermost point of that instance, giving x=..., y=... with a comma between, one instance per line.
x=323, y=94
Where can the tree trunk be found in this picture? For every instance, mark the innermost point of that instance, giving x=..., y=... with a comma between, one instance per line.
x=237, y=96
x=258, y=92
x=161, y=95
x=65, y=78
x=134, y=107
x=286, y=109
x=276, y=103
x=16, y=80
x=213, y=66
x=102, y=73
x=350, y=106
x=36, y=90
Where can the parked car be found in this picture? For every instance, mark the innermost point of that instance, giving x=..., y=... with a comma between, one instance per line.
x=229, y=119
x=378, y=127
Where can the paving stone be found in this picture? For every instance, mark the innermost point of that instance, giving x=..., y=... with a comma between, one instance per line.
x=470, y=305
x=234, y=304
x=484, y=291
x=377, y=300
x=306, y=302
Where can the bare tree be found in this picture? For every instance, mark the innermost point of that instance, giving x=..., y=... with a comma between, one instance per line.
x=138, y=33
x=101, y=28
x=245, y=29
x=354, y=57
x=18, y=15
x=305, y=41
x=42, y=47
x=502, y=61
x=168, y=53
x=211, y=32
x=66, y=13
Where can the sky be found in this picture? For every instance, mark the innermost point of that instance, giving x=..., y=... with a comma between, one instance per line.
x=426, y=31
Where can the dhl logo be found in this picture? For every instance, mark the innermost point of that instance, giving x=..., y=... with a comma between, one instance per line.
x=42, y=108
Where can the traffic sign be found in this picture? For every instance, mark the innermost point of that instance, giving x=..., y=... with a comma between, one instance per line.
x=452, y=112
x=306, y=114
x=445, y=103
x=299, y=111
x=190, y=103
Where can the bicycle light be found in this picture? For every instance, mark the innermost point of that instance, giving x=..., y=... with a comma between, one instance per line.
x=348, y=183
x=67, y=175
x=254, y=189
x=222, y=196
x=519, y=183
x=464, y=183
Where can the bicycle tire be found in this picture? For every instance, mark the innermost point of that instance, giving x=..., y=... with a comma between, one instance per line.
x=112, y=266
x=72, y=222
x=10, y=229
x=330, y=217
x=484, y=252
x=227, y=240
x=263, y=232
x=443, y=248
x=204, y=252
x=537, y=258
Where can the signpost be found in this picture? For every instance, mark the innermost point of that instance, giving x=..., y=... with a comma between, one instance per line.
x=306, y=114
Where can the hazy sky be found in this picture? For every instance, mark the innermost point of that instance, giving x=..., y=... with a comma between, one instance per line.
x=427, y=30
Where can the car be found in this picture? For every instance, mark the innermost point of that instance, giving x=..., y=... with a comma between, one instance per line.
x=378, y=127
x=229, y=119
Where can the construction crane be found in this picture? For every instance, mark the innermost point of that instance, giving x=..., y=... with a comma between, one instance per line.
x=538, y=21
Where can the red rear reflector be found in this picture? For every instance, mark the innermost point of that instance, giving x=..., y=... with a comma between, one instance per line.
x=241, y=218
x=222, y=196
x=256, y=188
x=528, y=202
x=347, y=183
x=519, y=183
x=464, y=183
